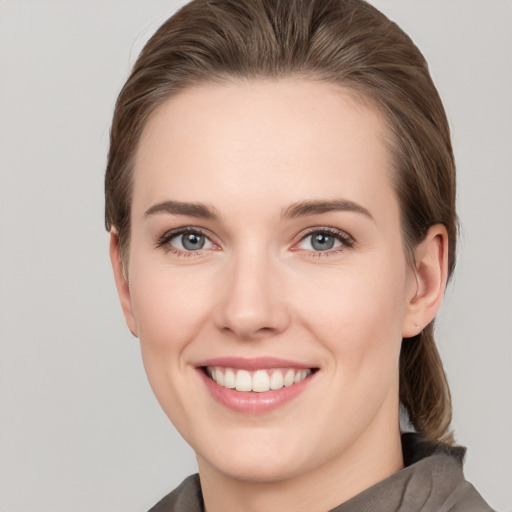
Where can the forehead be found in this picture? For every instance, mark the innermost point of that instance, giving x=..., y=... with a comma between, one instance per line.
x=258, y=140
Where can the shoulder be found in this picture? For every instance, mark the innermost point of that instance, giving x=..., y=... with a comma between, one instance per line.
x=432, y=481
x=437, y=469
x=450, y=488
x=186, y=497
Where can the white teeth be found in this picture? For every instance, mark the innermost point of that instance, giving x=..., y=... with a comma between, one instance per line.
x=258, y=381
x=289, y=378
x=229, y=379
x=276, y=381
x=218, y=377
x=243, y=381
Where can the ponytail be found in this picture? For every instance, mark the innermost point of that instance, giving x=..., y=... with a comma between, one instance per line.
x=424, y=391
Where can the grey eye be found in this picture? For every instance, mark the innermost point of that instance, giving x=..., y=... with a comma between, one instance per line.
x=191, y=241
x=320, y=241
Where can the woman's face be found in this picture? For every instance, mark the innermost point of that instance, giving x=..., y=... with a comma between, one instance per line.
x=266, y=254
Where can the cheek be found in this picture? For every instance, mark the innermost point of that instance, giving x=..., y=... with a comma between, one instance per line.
x=357, y=313
x=170, y=307
x=169, y=304
x=357, y=317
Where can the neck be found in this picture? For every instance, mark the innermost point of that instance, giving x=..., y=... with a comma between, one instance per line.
x=374, y=456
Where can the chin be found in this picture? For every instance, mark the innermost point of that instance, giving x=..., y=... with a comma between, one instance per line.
x=258, y=460
x=256, y=470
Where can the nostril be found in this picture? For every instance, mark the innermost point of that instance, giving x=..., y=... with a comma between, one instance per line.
x=246, y=332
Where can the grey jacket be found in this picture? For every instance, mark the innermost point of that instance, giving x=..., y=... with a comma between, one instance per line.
x=432, y=481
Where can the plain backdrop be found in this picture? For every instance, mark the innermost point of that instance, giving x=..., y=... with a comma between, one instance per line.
x=80, y=430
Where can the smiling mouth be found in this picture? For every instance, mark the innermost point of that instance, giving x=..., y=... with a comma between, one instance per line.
x=258, y=381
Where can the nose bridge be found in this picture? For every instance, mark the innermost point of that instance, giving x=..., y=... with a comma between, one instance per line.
x=251, y=304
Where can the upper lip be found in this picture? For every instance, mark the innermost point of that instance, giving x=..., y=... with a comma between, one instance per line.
x=258, y=363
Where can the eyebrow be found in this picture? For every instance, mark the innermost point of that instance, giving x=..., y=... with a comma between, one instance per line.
x=305, y=208
x=300, y=209
x=198, y=210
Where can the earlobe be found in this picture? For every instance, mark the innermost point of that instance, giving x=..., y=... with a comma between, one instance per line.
x=431, y=274
x=122, y=285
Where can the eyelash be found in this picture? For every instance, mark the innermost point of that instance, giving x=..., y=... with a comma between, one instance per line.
x=347, y=242
x=163, y=241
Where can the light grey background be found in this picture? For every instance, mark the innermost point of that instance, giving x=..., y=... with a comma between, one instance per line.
x=79, y=428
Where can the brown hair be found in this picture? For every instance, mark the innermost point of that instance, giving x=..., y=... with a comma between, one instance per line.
x=346, y=42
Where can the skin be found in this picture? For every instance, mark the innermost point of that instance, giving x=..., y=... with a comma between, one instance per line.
x=259, y=288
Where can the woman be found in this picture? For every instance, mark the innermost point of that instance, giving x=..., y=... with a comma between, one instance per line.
x=280, y=194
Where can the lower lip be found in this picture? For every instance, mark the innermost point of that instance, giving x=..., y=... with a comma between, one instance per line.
x=251, y=402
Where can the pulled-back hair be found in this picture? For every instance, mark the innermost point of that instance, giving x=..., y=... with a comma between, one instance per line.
x=345, y=42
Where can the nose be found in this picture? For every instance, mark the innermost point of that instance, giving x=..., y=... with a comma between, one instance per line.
x=251, y=302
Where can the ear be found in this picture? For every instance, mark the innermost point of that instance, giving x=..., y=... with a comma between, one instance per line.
x=123, y=288
x=430, y=274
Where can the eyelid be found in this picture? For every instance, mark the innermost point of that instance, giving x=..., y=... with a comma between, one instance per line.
x=163, y=240
x=347, y=241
